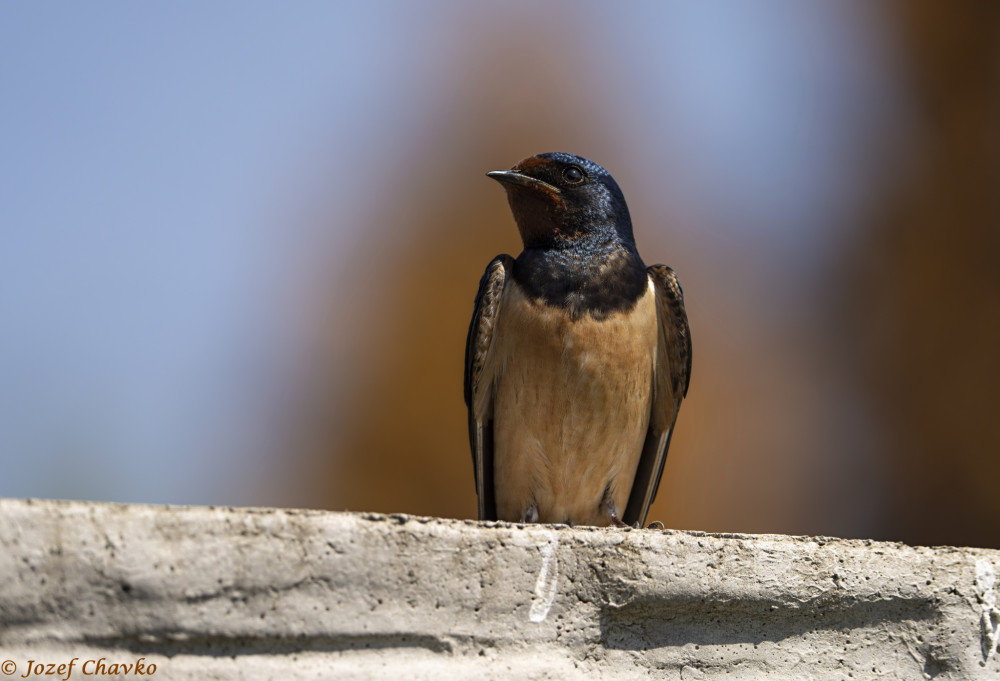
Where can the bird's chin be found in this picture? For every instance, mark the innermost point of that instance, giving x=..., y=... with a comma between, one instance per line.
x=532, y=214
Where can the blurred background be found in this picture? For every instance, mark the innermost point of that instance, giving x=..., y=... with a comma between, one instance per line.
x=239, y=246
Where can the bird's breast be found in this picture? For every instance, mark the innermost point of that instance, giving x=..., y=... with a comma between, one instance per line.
x=571, y=406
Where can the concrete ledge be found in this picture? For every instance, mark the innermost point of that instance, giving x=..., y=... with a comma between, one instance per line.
x=218, y=593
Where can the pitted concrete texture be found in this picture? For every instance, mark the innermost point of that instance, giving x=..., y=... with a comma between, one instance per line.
x=223, y=593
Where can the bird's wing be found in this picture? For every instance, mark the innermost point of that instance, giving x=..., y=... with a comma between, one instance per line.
x=479, y=379
x=671, y=374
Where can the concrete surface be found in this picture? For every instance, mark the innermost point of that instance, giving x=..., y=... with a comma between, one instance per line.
x=222, y=593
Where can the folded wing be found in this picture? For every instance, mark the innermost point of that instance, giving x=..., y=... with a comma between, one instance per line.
x=479, y=379
x=671, y=375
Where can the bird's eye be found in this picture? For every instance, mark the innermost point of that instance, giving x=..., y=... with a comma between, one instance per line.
x=573, y=175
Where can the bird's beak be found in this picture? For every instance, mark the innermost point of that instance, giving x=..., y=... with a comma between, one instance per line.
x=506, y=177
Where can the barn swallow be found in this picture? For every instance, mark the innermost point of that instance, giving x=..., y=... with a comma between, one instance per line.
x=577, y=358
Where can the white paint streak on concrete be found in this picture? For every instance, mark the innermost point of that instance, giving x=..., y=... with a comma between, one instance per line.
x=547, y=584
x=986, y=579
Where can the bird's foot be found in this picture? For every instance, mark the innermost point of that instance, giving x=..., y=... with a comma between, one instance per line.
x=530, y=514
x=656, y=525
x=618, y=522
x=611, y=510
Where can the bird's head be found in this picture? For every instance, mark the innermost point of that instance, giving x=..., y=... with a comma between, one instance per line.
x=558, y=199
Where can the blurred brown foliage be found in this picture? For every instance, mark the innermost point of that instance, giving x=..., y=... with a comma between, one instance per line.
x=925, y=292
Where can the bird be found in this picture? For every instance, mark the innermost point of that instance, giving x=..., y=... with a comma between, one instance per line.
x=577, y=358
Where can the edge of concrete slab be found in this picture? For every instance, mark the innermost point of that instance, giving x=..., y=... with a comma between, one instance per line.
x=221, y=593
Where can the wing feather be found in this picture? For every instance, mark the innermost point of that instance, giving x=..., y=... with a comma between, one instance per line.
x=671, y=375
x=478, y=381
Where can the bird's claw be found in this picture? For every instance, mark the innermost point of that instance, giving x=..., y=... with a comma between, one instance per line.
x=618, y=522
